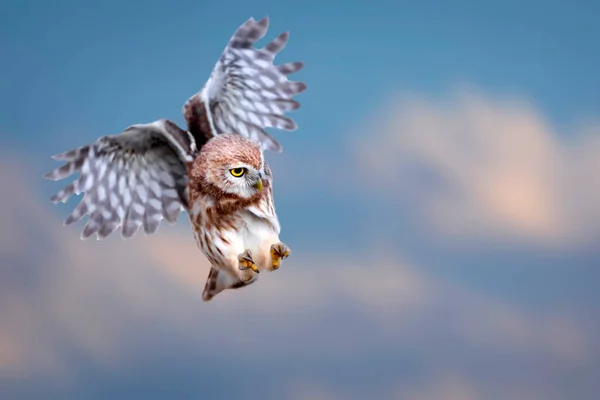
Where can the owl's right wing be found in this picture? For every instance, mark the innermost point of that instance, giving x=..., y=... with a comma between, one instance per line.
x=246, y=92
x=131, y=179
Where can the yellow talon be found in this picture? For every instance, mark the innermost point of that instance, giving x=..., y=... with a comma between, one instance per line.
x=275, y=263
x=246, y=261
x=244, y=264
x=279, y=252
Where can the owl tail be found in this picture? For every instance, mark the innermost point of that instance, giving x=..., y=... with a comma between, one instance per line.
x=218, y=281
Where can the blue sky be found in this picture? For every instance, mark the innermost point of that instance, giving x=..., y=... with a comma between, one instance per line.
x=80, y=70
x=451, y=100
x=98, y=67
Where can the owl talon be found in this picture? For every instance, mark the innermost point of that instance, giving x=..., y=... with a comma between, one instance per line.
x=279, y=251
x=246, y=262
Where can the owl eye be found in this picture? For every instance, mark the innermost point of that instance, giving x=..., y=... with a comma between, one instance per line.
x=237, y=172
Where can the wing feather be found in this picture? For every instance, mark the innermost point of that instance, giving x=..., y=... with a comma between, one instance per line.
x=246, y=92
x=131, y=180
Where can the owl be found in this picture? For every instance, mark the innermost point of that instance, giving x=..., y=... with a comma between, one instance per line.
x=215, y=170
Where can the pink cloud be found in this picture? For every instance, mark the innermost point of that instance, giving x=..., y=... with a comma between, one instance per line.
x=105, y=299
x=446, y=386
x=501, y=170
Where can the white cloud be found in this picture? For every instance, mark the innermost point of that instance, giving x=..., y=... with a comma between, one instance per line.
x=116, y=302
x=475, y=166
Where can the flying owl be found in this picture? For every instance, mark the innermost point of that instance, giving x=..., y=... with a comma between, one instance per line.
x=215, y=170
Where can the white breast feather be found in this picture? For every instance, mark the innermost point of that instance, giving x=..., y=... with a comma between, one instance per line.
x=258, y=235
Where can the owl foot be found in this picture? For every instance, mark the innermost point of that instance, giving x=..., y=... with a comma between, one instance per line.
x=279, y=251
x=246, y=261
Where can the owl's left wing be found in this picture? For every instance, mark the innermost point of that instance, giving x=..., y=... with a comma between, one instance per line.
x=246, y=92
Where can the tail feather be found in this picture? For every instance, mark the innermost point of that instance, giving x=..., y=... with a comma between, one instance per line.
x=218, y=281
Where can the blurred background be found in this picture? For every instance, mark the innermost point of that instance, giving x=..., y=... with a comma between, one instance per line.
x=441, y=197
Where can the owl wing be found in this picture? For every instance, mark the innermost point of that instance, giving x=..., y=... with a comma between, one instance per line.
x=246, y=92
x=131, y=179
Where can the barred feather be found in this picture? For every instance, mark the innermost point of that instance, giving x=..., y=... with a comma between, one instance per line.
x=131, y=180
x=246, y=92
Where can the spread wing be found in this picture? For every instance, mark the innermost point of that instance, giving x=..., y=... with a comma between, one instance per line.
x=246, y=92
x=131, y=179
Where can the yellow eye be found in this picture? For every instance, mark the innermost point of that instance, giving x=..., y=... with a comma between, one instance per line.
x=237, y=172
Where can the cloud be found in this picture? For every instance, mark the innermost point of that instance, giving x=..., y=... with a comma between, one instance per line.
x=474, y=166
x=443, y=387
x=88, y=315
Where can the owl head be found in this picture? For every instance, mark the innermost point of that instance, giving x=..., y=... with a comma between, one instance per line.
x=230, y=164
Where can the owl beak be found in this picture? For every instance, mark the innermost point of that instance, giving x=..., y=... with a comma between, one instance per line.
x=258, y=185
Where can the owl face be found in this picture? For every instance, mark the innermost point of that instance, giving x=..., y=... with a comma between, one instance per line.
x=231, y=164
x=240, y=179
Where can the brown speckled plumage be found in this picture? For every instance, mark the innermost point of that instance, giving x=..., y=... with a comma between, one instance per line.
x=215, y=214
x=221, y=150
